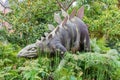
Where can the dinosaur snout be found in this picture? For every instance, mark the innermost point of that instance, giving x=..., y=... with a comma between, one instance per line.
x=27, y=54
x=20, y=54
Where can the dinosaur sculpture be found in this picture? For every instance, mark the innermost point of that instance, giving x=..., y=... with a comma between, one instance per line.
x=70, y=34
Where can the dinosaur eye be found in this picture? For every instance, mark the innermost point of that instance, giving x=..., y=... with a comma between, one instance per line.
x=33, y=48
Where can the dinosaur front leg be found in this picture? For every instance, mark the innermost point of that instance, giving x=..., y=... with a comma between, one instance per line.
x=60, y=47
x=57, y=47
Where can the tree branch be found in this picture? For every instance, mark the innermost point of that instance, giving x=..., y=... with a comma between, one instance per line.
x=69, y=5
x=63, y=6
x=60, y=4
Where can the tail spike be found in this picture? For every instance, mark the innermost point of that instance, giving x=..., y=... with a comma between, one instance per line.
x=73, y=13
x=64, y=21
x=80, y=12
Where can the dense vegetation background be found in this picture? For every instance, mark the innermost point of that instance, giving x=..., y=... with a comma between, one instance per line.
x=29, y=21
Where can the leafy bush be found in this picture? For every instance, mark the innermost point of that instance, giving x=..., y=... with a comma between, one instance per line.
x=8, y=50
x=102, y=17
x=99, y=46
x=89, y=66
x=72, y=67
x=3, y=34
x=29, y=20
x=8, y=61
x=28, y=35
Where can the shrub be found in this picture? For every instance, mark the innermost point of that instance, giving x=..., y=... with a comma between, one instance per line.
x=29, y=20
x=89, y=66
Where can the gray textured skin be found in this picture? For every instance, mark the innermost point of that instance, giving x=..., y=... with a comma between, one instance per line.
x=84, y=34
x=73, y=35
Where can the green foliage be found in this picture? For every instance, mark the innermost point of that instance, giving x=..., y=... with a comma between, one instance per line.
x=8, y=61
x=78, y=66
x=29, y=19
x=27, y=34
x=97, y=66
x=7, y=50
x=32, y=70
x=99, y=46
x=3, y=34
x=89, y=66
x=105, y=19
x=102, y=18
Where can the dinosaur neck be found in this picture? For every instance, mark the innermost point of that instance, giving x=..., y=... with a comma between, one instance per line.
x=44, y=47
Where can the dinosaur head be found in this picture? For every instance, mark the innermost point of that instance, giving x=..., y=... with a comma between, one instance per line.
x=32, y=50
x=29, y=51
